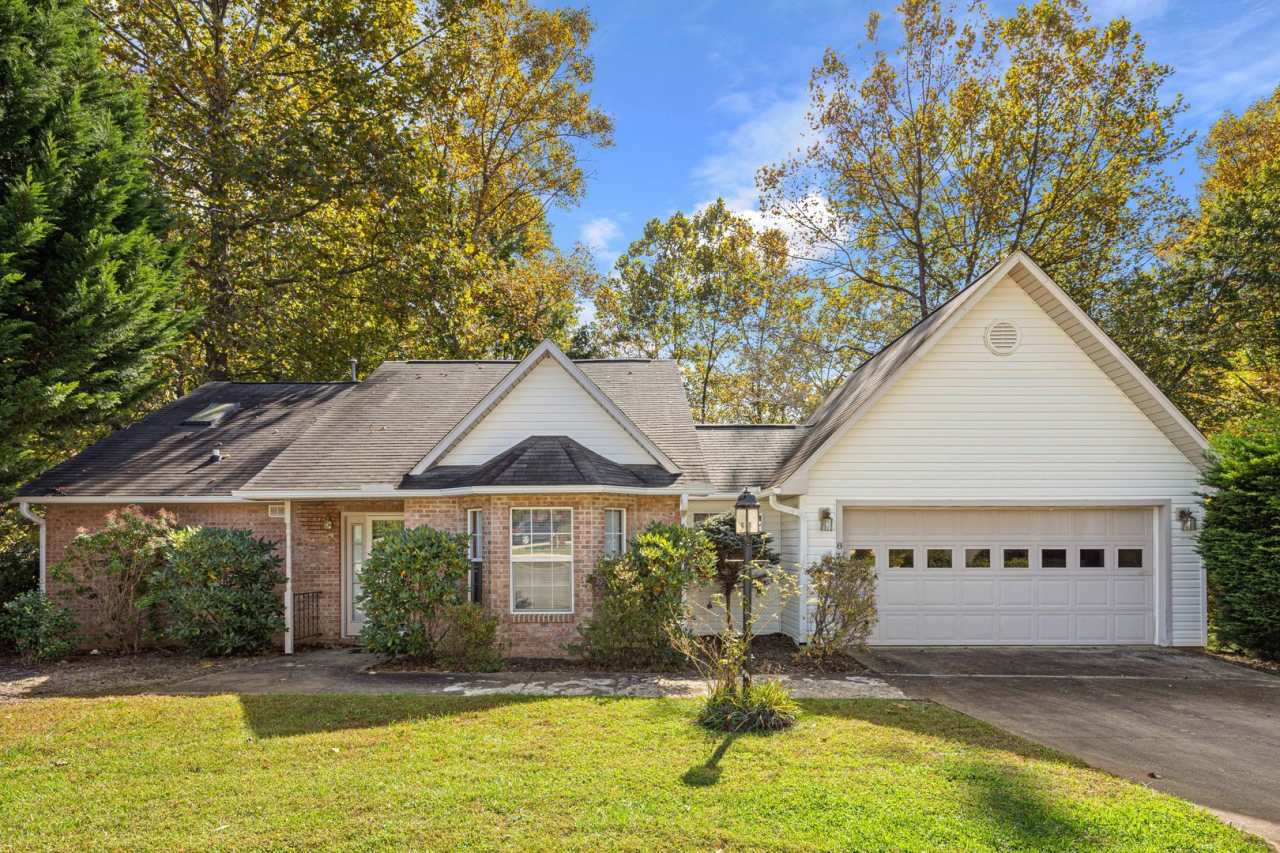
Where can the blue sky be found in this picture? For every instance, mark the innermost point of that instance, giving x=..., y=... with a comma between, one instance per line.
x=703, y=92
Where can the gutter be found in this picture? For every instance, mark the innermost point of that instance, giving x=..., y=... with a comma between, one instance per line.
x=25, y=508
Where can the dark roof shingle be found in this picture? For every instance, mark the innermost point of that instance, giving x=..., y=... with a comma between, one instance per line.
x=743, y=455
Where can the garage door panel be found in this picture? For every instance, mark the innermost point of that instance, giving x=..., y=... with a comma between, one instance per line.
x=1092, y=592
x=1017, y=593
x=1014, y=605
x=980, y=592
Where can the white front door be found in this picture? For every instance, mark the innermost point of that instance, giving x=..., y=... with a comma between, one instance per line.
x=1052, y=576
x=360, y=531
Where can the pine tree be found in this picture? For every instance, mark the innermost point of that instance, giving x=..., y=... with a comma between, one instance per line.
x=88, y=283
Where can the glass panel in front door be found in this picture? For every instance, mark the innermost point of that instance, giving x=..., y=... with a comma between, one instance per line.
x=361, y=547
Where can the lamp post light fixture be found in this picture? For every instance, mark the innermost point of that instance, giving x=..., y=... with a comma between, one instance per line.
x=747, y=525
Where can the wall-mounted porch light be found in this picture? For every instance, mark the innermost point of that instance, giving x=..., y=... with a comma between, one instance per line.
x=825, y=521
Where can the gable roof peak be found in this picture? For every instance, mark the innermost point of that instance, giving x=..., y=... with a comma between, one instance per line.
x=545, y=350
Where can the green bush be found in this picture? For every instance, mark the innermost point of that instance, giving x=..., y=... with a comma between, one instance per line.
x=844, y=604
x=37, y=628
x=765, y=706
x=638, y=595
x=19, y=567
x=470, y=641
x=113, y=566
x=1240, y=540
x=721, y=530
x=411, y=580
x=217, y=591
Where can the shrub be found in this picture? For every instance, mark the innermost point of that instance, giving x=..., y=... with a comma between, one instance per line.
x=470, y=641
x=1240, y=541
x=638, y=595
x=764, y=706
x=721, y=531
x=217, y=591
x=37, y=627
x=113, y=566
x=19, y=567
x=410, y=581
x=844, y=604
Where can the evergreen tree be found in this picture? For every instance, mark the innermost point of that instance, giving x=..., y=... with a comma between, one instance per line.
x=87, y=281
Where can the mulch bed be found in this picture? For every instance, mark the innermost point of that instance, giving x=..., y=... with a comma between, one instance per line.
x=775, y=654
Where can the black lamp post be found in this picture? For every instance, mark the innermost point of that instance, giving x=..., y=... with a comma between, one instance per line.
x=747, y=524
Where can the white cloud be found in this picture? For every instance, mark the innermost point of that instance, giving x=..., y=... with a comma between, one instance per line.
x=597, y=234
x=772, y=132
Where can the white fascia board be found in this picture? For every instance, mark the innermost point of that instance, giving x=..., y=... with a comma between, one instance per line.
x=546, y=349
x=129, y=499
x=935, y=502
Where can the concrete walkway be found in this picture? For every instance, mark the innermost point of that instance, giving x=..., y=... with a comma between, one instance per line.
x=349, y=671
x=1185, y=723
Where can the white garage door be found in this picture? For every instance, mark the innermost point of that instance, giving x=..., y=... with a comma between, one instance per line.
x=1008, y=576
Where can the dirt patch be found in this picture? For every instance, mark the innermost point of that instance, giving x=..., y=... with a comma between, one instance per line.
x=85, y=675
x=774, y=654
x=1269, y=666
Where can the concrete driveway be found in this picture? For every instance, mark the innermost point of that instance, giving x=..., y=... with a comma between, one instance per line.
x=1190, y=725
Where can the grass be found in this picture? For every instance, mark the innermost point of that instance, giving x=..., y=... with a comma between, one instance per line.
x=362, y=772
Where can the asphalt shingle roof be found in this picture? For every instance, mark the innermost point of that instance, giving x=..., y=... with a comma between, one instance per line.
x=159, y=455
x=742, y=455
x=543, y=460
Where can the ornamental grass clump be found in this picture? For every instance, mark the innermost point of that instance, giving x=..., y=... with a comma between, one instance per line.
x=762, y=706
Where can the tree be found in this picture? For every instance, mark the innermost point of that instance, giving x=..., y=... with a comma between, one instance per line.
x=87, y=281
x=360, y=179
x=721, y=531
x=1240, y=541
x=974, y=138
x=716, y=295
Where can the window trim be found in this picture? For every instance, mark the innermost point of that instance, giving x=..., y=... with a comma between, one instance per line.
x=512, y=559
x=622, y=531
x=475, y=535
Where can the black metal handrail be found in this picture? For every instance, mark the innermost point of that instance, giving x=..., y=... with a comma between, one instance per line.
x=306, y=615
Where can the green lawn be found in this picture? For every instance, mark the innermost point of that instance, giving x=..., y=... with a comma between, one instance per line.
x=585, y=773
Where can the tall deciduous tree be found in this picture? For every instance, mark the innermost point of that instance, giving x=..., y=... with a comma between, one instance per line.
x=87, y=281
x=977, y=136
x=355, y=178
x=716, y=295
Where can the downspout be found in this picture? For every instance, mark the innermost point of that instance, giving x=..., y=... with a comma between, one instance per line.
x=288, y=577
x=38, y=520
x=684, y=509
x=802, y=559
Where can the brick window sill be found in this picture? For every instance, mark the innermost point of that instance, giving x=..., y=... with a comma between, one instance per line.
x=542, y=618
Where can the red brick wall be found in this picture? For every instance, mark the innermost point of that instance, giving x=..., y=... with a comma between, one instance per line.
x=539, y=635
x=317, y=556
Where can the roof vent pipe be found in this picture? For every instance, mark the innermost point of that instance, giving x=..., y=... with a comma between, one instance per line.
x=354, y=362
x=216, y=455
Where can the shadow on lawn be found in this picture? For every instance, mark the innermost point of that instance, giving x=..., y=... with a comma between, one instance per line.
x=708, y=772
x=285, y=715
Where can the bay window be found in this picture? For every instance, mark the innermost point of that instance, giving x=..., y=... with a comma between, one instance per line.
x=541, y=560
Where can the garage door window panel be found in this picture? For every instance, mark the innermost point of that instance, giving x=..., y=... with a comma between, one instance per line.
x=863, y=556
x=902, y=558
x=1093, y=558
x=1053, y=558
x=1016, y=558
x=977, y=558
x=939, y=558
x=1131, y=558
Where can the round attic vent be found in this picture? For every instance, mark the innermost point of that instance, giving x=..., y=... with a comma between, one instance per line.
x=1003, y=337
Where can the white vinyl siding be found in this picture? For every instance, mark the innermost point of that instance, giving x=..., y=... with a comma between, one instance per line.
x=708, y=617
x=548, y=401
x=541, y=560
x=1041, y=425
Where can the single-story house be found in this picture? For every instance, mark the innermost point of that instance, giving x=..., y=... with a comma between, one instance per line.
x=1015, y=476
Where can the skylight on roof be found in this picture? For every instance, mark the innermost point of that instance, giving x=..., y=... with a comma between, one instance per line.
x=211, y=415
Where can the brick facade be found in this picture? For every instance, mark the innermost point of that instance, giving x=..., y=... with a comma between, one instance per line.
x=317, y=550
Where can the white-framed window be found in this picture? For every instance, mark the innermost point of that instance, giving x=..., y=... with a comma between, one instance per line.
x=475, y=535
x=615, y=532
x=901, y=557
x=700, y=517
x=541, y=560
